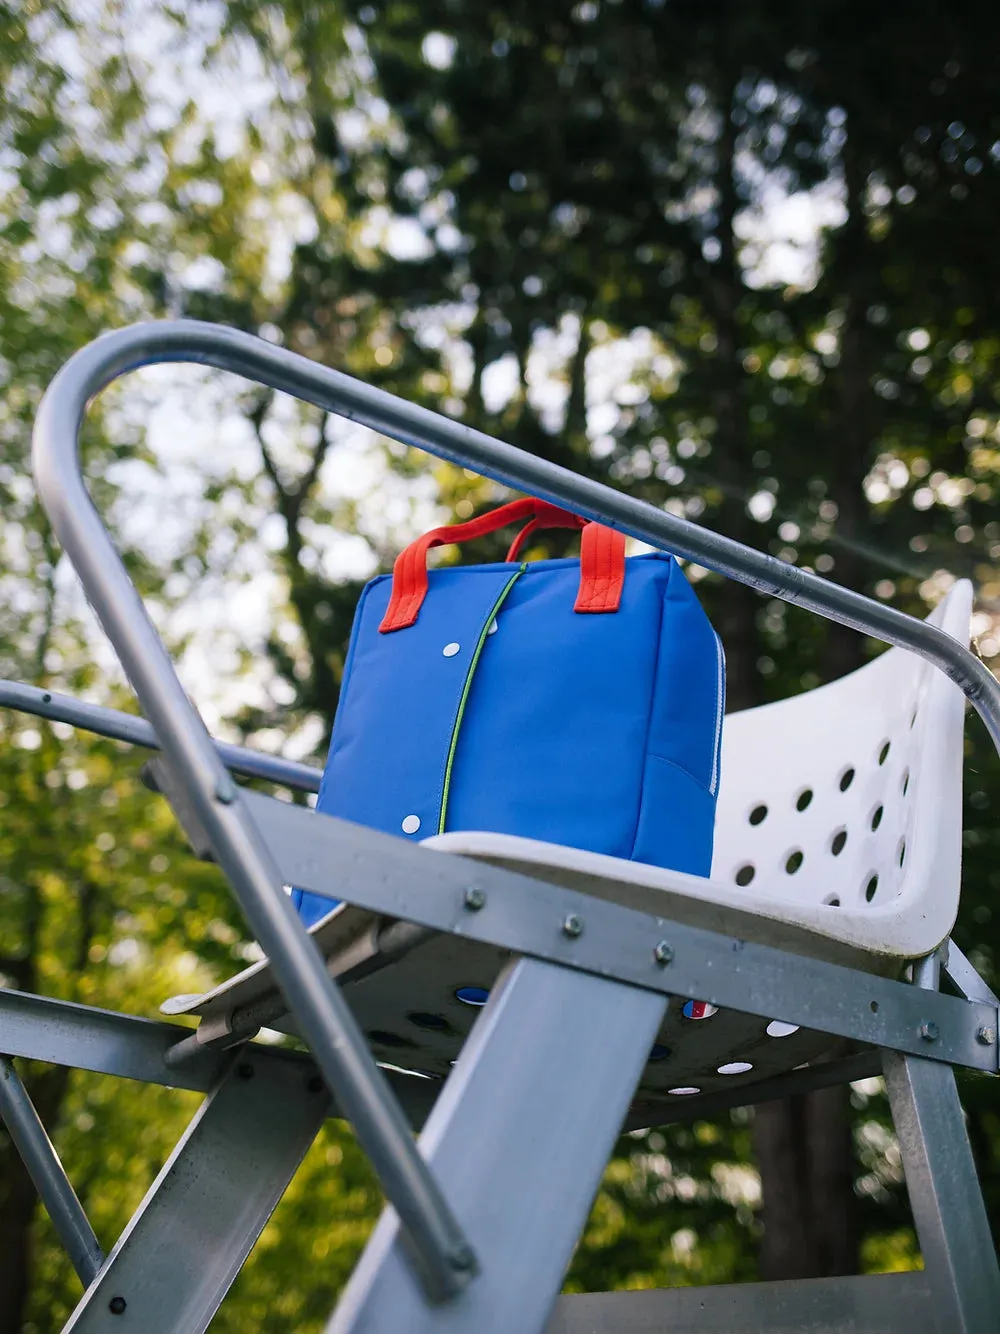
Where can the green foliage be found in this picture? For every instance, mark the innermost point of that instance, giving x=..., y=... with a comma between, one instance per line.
x=551, y=222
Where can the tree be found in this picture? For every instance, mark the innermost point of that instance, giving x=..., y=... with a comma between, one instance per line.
x=550, y=222
x=585, y=179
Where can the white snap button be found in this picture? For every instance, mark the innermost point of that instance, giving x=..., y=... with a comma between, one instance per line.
x=493, y=627
x=411, y=823
x=450, y=650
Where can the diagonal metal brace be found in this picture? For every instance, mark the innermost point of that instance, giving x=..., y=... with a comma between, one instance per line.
x=186, y=1243
x=46, y=1171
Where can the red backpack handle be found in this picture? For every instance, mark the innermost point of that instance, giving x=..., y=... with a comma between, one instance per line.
x=602, y=558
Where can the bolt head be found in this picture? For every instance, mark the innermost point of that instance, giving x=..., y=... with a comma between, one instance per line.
x=463, y=1259
x=117, y=1305
x=987, y=1036
x=475, y=898
x=663, y=953
x=929, y=1031
x=572, y=925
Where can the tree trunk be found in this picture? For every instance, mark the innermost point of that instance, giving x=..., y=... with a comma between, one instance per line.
x=803, y=1152
x=803, y=1145
x=737, y=604
x=18, y=1201
x=47, y=1088
x=17, y=1209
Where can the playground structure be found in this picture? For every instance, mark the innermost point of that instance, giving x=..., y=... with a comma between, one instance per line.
x=837, y=866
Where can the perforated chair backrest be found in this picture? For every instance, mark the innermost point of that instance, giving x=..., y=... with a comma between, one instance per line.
x=850, y=796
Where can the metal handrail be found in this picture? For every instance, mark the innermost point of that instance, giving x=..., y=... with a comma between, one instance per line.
x=112, y=355
x=324, y=1019
x=118, y=726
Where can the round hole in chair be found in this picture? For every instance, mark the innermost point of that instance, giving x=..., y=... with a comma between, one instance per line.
x=832, y=901
x=683, y=1092
x=838, y=841
x=384, y=1039
x=659, y=1052
x=877, y=814
x=902, y=850
x=434, y=1023
x=745, y=874
x=472, y=995
x=906, y=781
x=846, y=779
x=873, y=1006
x=871, y=887
x=794, y=860
x=803, y=799
x=778, y=1029
x=759, y=814
x=883, y=754
x=913, y=717
x=735, y=1068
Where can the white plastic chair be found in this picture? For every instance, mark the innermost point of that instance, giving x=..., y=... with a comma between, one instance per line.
x=839, y=823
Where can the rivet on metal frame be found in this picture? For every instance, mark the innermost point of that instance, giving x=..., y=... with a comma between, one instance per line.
x=986, y=1035
x=929, y=1031
x=663, y=953
x=475, y=898
x=572, y=925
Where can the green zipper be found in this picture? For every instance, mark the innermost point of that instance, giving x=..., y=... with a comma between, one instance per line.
x=453, y=746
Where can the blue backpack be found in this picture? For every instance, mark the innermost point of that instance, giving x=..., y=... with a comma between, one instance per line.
x=575, y=701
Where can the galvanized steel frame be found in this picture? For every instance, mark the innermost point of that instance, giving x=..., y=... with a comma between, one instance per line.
x=245, y=834
x=128, y=1047
x=948, y=1209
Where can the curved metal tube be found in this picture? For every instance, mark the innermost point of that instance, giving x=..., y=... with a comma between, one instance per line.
x=324, y=1019
x=136, y=731
x=441, y=1253
x=228, y=349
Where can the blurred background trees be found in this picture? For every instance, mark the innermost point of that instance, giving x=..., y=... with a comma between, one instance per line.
x=738, y=260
